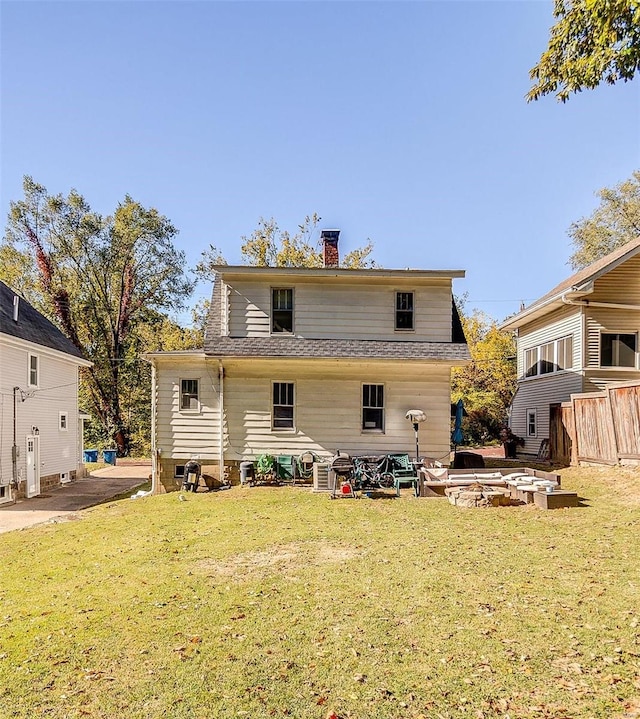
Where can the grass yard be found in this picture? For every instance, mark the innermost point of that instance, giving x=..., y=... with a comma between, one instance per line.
x=275, y=602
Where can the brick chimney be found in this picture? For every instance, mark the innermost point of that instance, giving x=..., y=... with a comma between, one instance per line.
x=330, y=254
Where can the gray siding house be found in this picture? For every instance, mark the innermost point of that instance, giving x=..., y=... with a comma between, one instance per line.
x=579, y=337
x=300, y=359
x=40, y=426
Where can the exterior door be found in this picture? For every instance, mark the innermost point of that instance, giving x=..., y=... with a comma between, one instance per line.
x=559, y=440
x=33, y=465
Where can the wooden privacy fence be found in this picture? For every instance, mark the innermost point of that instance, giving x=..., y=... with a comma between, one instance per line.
x=605, y=426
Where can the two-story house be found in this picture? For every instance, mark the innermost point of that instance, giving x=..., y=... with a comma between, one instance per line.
x=579, y=337
x=39, y=419
x=301, y=359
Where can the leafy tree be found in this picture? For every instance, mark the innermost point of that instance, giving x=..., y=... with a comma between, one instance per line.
x=592, y=41
x=614, y=223
x=486, y=386
x=269, y=246
x=105, y=281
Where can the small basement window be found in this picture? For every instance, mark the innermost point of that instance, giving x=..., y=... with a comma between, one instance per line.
x=179, y=470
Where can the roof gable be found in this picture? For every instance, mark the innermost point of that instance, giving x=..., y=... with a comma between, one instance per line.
x=574, y=283
x=32, y=326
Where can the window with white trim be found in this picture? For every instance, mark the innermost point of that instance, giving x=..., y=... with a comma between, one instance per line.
x=404, y=311
x=373, y=407
x=617, y=349
x=532, y=424
x=189, y=395
x=550, y=357
x=34, y=370
x=282, y=310
x=63, y=421
x=282, y=416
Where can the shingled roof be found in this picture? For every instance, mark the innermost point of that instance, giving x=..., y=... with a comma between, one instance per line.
x=573, y=283
x=31, y=325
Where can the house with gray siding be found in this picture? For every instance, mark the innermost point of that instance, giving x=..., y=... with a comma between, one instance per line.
x=579, y=337
x=309, y=360
x=39, y=419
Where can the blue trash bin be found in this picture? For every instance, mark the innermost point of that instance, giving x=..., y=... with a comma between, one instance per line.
x=90, y=455
x=109, y=455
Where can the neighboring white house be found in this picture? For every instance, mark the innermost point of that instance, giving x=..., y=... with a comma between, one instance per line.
x=300, y=359
x=39, y=424
x=579, y=337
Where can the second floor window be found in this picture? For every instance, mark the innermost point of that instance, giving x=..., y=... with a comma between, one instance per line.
x=617, y=350
x=189, y=395
x=282, y=310
x=373, y=407
x=550, y=357
x=33, y=370
x=283, y=405
x=404, y=310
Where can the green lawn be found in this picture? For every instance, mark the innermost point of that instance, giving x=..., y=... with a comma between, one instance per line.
x=274, y=602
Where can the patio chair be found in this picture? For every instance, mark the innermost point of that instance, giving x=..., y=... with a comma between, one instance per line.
x=403, y=471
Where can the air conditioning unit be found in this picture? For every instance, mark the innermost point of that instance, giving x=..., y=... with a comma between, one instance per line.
x=321, y=480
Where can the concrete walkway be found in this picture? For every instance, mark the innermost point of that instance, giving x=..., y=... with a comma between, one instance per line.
x=60, y=503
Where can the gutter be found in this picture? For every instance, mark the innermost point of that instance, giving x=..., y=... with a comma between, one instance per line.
x=587, y=289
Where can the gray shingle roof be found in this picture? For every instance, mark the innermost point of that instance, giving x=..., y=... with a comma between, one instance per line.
x=31, y=325
x=333, y=348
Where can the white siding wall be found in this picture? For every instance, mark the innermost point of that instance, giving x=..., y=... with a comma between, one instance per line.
x=339, y=310
x=561, y=323
x=57, y=392
x=187, y=434
x=539, y=394
x=328, y=408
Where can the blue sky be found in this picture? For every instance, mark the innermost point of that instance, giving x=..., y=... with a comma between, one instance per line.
x=400, y=122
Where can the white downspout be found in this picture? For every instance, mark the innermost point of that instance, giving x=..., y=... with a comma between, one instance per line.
x=221, y=420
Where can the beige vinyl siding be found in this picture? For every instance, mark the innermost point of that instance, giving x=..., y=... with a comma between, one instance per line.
x=57, y=392
x=341, y=310
x=561, y=323
x=187, y=434
x=621, y=285
x=539, y=394
x=328, y=407
x=604, y=319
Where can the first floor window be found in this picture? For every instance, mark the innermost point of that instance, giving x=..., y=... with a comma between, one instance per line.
x=33, y=370
x=532, y=428
x=283, y=405
x=189, y=395
x=617, y=350
x=373, y=407
x=404, y=310
x=282, y=310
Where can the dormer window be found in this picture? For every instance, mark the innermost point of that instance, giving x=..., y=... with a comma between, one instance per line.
x=404, y=310
x=282, y=310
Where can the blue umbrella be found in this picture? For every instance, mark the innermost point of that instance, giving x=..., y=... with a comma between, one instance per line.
x=456, y=436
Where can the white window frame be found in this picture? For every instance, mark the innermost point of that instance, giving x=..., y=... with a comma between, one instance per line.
x=532, y=421
x=273, y=310
x=364, y=407
x=63, y=421
x=30, y=370
x=534, y=369
x=181, y=394
x=619, y=366
x=275, y=404
x=412, y=311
